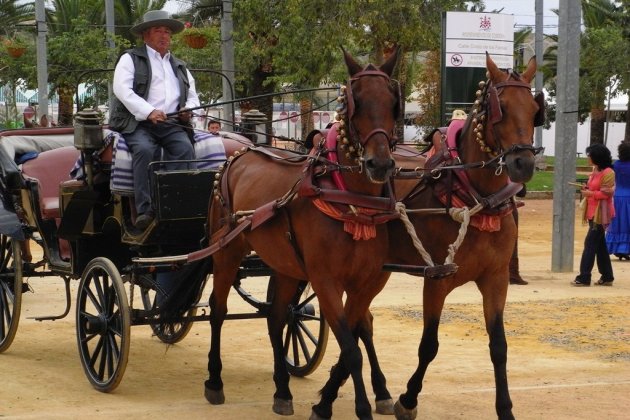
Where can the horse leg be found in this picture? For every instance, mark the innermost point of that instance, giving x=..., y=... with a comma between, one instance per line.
x=224, y=274
x=284, y=290
x=406, y=408
x=350, y=359
x=493, y=306
x=338, y=373
x=384, y=402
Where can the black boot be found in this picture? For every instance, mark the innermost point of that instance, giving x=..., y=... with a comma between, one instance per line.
x=515, y=276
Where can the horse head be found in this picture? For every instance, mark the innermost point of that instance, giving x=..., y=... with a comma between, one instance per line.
x=503, y=119
x=367, y=121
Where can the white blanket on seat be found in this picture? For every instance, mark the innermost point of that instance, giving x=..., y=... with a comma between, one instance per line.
x=208, y=148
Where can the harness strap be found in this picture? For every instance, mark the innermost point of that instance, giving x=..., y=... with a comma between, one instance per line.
x=219, y=243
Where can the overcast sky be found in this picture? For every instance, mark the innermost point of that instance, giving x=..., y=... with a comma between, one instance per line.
x=524, y=12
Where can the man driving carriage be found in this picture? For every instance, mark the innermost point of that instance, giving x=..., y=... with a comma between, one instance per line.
x=149, y=84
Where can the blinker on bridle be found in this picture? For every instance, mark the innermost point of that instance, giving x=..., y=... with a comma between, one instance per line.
x=345, y=112
x=487, y=108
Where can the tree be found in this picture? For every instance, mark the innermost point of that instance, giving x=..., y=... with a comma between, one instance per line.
x=13, y=13
x=603, y=58
x=79, y=23
x=13, y=70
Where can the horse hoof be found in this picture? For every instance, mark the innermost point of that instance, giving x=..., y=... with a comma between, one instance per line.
x=283, y=407
x=315, y=416
x=403, y=413
x=214, y=397
x=385, y=407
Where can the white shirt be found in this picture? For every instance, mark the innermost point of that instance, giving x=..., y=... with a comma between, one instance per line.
x=163, y=93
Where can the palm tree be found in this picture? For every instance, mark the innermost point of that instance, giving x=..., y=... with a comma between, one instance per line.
x=130, y=12
x=601, y=60
x=13, y=13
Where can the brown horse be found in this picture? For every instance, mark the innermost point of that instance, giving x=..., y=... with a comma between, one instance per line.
x=492, y=152
x=266, y=202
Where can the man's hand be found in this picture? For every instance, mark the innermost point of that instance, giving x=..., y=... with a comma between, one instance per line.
x=184, y=116
x=156, y=116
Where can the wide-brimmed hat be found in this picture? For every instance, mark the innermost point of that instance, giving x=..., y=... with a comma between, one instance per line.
x=157, y=18
x=458, y=114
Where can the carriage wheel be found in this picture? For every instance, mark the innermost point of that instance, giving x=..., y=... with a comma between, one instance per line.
x=10, y=290
x=303, y=349
x=169, y=333
x=103, y=324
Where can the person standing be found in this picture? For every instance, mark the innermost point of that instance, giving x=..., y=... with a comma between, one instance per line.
x=618, y=234
x=598, y=211
x=149, y=83
x=515, y=273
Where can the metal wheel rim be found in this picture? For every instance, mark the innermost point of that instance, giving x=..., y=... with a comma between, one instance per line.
x=103, y=324
x=302, y=349
x=169, y=333
x=10, y=290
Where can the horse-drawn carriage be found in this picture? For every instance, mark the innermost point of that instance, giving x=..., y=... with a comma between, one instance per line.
x=85, y=230
x=340, y=196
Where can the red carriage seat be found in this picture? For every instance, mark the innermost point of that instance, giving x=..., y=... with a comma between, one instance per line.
x=50, y=169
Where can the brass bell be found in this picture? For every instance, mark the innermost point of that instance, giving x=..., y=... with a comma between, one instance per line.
x=478, y=93
x=482, y=83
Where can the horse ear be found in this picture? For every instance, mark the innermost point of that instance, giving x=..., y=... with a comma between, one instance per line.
x=353, y=66
x=388, y=66
x=493, y=70
x=530, y=72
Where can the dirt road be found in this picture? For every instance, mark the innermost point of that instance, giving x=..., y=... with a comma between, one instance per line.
x=569, y=353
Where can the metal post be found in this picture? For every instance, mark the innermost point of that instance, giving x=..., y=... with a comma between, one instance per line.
x=110, y=25
x=566, y=135
x=227, y=56
x=42, y=62
x=538, y=44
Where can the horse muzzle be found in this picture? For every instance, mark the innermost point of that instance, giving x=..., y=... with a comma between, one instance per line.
x=520, y=165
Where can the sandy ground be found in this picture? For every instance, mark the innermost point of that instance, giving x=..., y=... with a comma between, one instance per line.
x=569, y=353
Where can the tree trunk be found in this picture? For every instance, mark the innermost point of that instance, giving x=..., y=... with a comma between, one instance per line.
x=66, y=105
x=306, y=117
x=598, y=120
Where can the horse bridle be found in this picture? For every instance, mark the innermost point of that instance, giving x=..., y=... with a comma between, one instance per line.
x=345, y=112
x=487, y=108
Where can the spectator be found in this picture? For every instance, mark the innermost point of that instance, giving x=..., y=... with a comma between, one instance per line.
x=618, y=234
x=515, y=275
x=214, y=127
x=598, y=211
x=140, y=107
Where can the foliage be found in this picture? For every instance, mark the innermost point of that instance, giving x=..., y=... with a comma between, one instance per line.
x=129, y=12
x=13, y=13
x=604, y=48
x=428, y=86
x=206, y=60
x=90, y=51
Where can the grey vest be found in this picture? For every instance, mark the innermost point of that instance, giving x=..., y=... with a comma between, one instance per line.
x=120, y=119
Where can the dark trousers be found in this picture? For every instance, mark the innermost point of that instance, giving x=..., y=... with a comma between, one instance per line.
x=146, y=144
x=595, y=247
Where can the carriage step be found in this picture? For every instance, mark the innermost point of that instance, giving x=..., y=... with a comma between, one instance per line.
x=435, y=272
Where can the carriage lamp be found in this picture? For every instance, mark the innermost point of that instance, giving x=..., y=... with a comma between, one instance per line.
x=254, y=126
x=88, y=137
